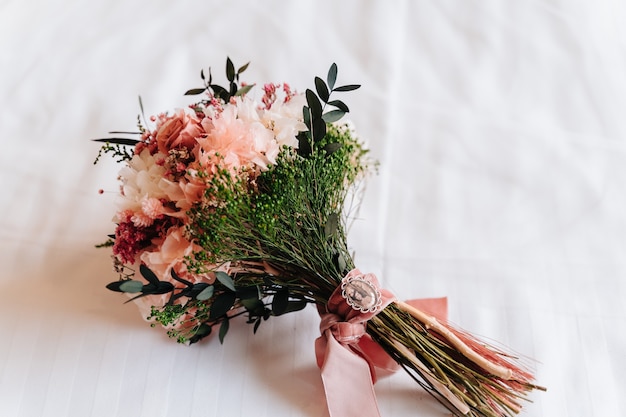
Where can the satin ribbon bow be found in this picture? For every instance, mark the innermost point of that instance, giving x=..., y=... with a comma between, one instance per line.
x=349, y=359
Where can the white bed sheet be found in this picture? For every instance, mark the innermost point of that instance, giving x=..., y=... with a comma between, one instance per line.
x=501, y=136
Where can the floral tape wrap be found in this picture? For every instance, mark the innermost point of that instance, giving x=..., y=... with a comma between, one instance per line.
x=349, y=359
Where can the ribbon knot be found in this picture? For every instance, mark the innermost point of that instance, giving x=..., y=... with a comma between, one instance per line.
x=344, y=332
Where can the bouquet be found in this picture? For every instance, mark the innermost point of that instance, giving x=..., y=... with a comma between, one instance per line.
x=239, y=205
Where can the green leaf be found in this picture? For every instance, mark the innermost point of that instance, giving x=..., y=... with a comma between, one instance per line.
x=348, y=87
x=131, y=286
x=203, y=331
x=202, y=74
x=115, y=285
x=118, y=141
x=304, y=144
x=222, y=304
x=331, y=225
x=332, y=147
x=161, y=287
x=242, y=68
x=224, y=329
x=319, y=129
x=206, y=293
x=332, y=76
x=340, y=105
x=314, y=104
x=148, y=274
x=295, y=305
x=280, y=301
x=230, y=70
x=179, y=279
x=253, y=305
x=195, y=91
x=256, y=325
x=243, y=90
x=220, y=92
x=322, y=90
x=225, y=279
x=333, y=116
x=306, y=116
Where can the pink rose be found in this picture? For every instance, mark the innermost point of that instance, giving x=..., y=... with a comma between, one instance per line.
x=179, y=130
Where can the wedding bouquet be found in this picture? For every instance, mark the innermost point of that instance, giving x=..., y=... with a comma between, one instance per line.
x=240, y=206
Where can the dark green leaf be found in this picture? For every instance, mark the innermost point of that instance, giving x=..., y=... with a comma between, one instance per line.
x=340, y=105
x=224, y=329
x=119, y=141
x=131, y=286
x=319, y=129
x=348, y=87
x=306, y=116
x=314, y=104
x=225, y=279
x=333, y=116
x=222, y=304
x=243, y=90
x=203, y=331
x=254, y=306
x=332, y=147
x=162, y=287
x=233, y=88
x=332, y=76
x=115, y=286
x=148, y=274
x=202, y=74
x=205, y=294
x=322, y=90
x=230, y=70
x=331, y=225
x=248, y=292
x=304, y=144
x=220, y=92
x=280, y=301
x=256, y=325
x=242, y=68
x=295, y=305
x=195, y=91
x=117, y=132
x=179, y=279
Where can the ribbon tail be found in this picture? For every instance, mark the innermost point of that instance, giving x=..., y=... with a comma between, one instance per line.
x=347, y=381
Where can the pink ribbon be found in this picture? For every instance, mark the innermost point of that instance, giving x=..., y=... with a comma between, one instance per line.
x=349, y=359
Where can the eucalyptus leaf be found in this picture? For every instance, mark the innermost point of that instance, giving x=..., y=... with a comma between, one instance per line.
x=254, y=306
x=225, y=279
x=322, y=90
x=202, y=331
x=148, y=274
x=295, y=305
x=349, y=87
x=195, y=91
x=131, y=286
x=221, y=305
x=224, y=329
x=319, y=129
x=340, y=105
x=314, y=104
x=333, y=116
x=332, y=76
x=206, y=293
x=179, y=279
x=202, y=74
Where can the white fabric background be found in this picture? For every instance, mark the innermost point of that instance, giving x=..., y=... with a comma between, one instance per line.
x=501, y=136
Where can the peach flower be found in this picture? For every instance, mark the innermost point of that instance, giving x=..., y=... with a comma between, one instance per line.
x=178, y=130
